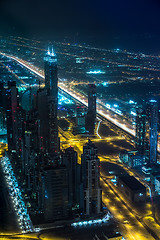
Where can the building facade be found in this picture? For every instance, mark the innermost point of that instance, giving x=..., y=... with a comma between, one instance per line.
x=90, y=177
x=153, y=129
x=91, y=113
x=55, y=193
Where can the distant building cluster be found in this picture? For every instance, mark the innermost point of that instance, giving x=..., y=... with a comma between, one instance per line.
x=53, y=183
x=146, y=138
x=144, y=158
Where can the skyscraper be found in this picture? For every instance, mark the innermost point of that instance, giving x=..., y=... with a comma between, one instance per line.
x=50, y=69
x=92, y=98
x=153, y=130
x=91, y=114
x=11, y=109
x=141, y=123
x=47, y=106
x=55, y=193
x=90, y=178
x=75, y=187
x=2, y=107
x=43, y=117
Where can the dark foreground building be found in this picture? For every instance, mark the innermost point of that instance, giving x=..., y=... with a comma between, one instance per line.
x=132, y=188
x=91, y=113
x=91, y=181
x=55, y=193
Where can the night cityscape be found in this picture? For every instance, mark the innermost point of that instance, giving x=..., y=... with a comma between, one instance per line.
x=80, y=120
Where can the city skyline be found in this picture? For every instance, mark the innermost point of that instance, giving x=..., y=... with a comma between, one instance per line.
x=80, y=120
x=55, y=164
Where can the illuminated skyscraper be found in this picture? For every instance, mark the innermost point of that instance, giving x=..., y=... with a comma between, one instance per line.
x=92, y=99
x=90, y=178
x=153, y=130
x=141, y=122
x=91, y=114
x=47, y=106
x=50, y=69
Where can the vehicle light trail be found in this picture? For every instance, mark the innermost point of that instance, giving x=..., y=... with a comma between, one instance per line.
x=98, y=127
x=73, y=94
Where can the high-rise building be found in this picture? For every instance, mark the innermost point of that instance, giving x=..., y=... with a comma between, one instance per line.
x=153, y=130
x=141, y=124
x=11, y=111
x=2, y=107
x=80, y=116
x=91, y=114
x=75, y=186
x=55, y=193
x=47, y=107
x=43, y=121
x=92, y=98
x=51, y=84
x=50, y=69
x=90, y=178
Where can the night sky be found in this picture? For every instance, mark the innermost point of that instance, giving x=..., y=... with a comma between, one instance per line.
x=114, y=23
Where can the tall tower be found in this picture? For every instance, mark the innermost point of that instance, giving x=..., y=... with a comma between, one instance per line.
x=141, y=141
x=55, y=196
x=49, y=96
x=92, y=98
x=2, y=106
x=153, y=130
x=50, y=69
x=75, y=187
x=91, y=114
x=11, y=108
x=90, y=178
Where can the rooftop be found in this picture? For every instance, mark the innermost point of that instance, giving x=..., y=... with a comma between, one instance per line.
x=132, y=183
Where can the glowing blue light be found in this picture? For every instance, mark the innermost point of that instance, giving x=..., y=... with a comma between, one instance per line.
x=115, y=105
x=118, y=112
x=152, y=100
x=108, y=106
x=133, y=113
x=105, y=84
x=96, y=72
x=90, y=222
x=140, y=194
x=63, y=100
x=131, y=102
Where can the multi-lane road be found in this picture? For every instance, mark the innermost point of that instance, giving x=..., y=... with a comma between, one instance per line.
x=79, y=97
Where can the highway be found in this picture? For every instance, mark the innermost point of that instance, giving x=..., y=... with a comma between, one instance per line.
x=129, y=223
x=76, y=95
x=134, y=225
